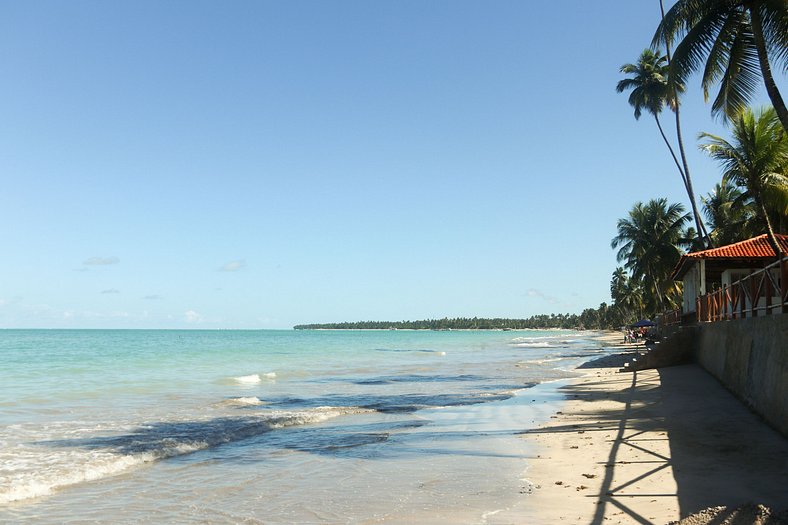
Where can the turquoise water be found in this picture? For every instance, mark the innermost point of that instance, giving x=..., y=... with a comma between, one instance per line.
x=159, y=426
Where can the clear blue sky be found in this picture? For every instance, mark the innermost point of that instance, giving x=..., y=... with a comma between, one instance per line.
x=260, y=164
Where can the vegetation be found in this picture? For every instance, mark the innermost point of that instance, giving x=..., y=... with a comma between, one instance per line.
x=628, y=296
x=734, y=42
x=649, y=243
x=650, y=92
x=755, y=160
x=728, y=214
x=603, y=317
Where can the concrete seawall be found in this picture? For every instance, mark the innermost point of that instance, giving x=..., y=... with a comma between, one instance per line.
x=750, y=357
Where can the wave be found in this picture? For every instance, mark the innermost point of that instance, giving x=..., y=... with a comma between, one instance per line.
x=253, y=379
x=405, y=402
x=536, y=344
x=104, y=456
x=408, y=350
x=243, y=401
x=535, y=338
x=418, y=378
x=248, y=380
x=546, y=342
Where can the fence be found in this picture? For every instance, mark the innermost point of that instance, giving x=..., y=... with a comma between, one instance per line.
x=763, y=292
x=670, y=318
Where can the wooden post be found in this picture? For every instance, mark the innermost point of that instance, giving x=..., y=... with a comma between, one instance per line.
x=753, y=296
x=732, y=302
x=784, y=284
x=767, y=289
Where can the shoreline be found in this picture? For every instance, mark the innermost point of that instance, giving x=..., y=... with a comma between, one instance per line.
x=648, y=447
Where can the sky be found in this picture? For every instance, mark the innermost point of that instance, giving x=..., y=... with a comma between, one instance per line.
x=260, y=164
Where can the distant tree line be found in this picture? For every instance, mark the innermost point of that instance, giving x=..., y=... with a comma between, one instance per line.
x=600, y=318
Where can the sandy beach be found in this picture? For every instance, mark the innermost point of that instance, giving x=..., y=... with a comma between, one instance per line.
x=650, y=447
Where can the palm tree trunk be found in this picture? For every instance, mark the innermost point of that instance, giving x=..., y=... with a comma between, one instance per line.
x=655, y=282
x=766, y=70
x=672, y=153
x=769, y=230
x=703, y=234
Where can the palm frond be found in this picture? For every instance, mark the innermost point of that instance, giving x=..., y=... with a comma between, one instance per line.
x=691, y=52
x=756, y=160
x=719, y=54
x=774, y=14
x=741, y=78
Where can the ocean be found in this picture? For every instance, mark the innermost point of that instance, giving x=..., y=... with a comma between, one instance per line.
x=175, y=426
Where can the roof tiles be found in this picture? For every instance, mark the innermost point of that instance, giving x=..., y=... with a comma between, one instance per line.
x=751, y=248
x=755, y=248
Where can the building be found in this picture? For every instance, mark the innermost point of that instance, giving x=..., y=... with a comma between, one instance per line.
x=719, y=282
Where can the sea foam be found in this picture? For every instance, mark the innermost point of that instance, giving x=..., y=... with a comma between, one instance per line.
x=248, y=380
x=88, y=459
x=243, y=401
x=535, y=344
x=253, y=379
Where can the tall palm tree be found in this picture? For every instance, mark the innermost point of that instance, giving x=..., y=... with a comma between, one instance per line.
x=676, y=89
x=650, y=243
x=650, y=92
x=756, y=160
x=733, y=41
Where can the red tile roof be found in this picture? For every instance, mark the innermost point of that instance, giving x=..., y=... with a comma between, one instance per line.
x=751, y=248
x=755, y=248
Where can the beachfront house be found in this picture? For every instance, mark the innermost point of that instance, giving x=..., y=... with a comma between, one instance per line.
x=743, y=279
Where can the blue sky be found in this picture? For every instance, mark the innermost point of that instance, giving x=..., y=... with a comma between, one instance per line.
x=263, y=164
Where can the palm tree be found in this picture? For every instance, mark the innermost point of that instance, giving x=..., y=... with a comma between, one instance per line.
x=651, y=92
x=618, y=283
x=729, y=213
x=756, y=160
x=733, y=42
x=650, y=243
x=675, y=89
x=627, y=295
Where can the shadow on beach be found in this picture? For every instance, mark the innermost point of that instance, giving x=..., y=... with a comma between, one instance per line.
x=678, y=422
x=611, y=361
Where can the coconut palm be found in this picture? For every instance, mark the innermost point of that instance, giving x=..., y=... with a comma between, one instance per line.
x=729, y=213
x=650, y=92
x=627, y=295
x=756, y=160
x=650, y=243
x=733, y=42
x=618, y=283
x=676, y=89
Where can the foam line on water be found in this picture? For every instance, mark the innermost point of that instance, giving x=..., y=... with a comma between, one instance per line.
x=72, y=461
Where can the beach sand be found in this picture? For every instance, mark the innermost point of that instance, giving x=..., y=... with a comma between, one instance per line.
x=649, y=447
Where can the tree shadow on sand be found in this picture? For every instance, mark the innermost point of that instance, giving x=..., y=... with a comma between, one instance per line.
x=718, y=452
